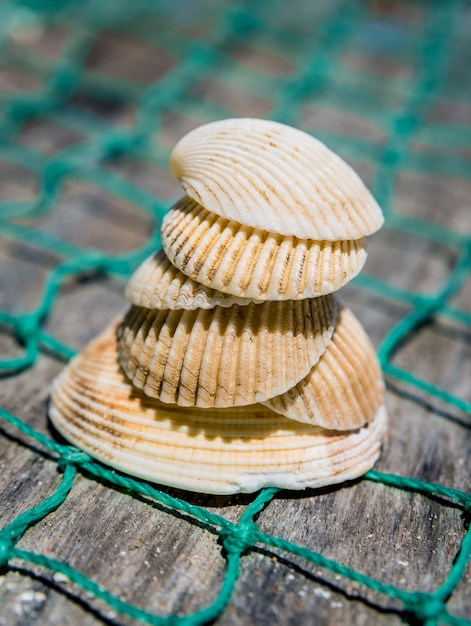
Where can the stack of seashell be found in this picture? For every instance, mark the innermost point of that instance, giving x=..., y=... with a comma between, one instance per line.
x=235, y=367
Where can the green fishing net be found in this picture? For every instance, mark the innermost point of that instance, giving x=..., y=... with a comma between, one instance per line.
x=209, y=60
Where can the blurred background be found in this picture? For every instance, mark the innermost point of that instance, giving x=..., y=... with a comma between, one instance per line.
x=93, y=95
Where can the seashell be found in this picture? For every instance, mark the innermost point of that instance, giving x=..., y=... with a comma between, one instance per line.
x=157, y=284
x=345, y=389
x=273, y=177
x=252, y=263
x=225, y=356
x=207, y=450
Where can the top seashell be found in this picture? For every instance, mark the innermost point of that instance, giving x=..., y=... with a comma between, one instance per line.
x=270, y=176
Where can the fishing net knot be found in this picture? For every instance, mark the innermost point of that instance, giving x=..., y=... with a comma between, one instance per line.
x=26, y=327
x=54, y=172
x=202, y=56
x=425, y=607
x=240, y=538
x=20, y=108
x=117, y=144
x=392, y=157
x=72, y=456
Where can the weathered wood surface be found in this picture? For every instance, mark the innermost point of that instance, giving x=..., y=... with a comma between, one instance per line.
x=165, y=562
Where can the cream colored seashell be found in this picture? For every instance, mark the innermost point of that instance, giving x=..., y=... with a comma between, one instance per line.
x=255, y=264
x=345, y=389
x=157, y=284
x=219, y=451
x=225, y=356
x=276, y=178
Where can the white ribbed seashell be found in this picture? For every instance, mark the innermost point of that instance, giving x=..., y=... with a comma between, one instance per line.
x=157, y=284
x=225, y=356
x=219, y=451
x=251, y=263
x=345, y=389
x=276, y=178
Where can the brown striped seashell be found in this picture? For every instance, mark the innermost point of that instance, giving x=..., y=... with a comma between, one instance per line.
x=157, y=284
x=272, y=177
x=250, y=263
x=345, y=389
x=218, y=451
x=224, y=356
